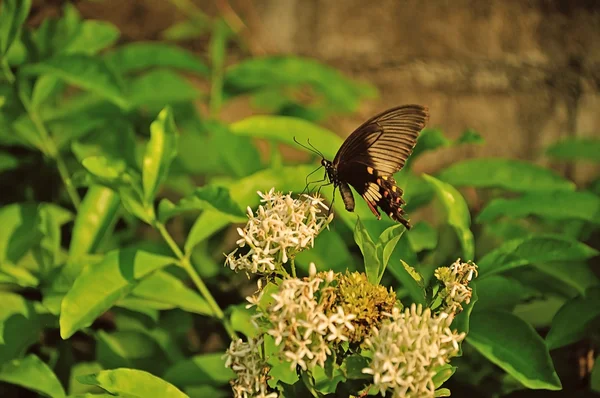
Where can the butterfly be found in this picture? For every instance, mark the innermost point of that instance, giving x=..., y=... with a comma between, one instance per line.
x=370, y=156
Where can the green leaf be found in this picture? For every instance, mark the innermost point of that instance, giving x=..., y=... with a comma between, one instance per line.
x=501, y=292
x=168, y=209
x=330, y=249
x=470, y=136
x=20, y=230
x=284, y=129
x=95, y=217
x=422, y=236
x=105, y=168
x=575, y=148
x=13, y=14
x=534, y=249
x=139, y=56
x=17, y=275
x=8, y=162
x=159, y=88
x=84, y=71
x=369, y=251
x=117, y=144
x=243, y=192
x=200, y=370
x=565, y=205
x=457, y=214
x=220, y=199
x=130, y=349
x=160, y=151
x=165, y=288
x=82, y=369
x=595, y=376
x=510, y=174
x=241, y=321
x=409, y=278
x=132, y=383
x=100, y=286
x=353, y=366
x=515, y=346
x=339, y=92
x=186, y=30
x=572, y=322
x=442, y=375
x=44, y=88
x=462, y=322
x=238, y=154
x=442, y=392
x=92, y=37
x=26, y=133
x=54, y=35
x=33, y=374
x=430, y=139
x=577, y=275
x=386, y=244
x=20, y=325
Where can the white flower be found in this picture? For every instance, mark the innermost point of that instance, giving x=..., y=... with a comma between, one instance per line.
x=456, y=280
x=251, y=370
x=281, y=227
x=301, y=324
x=407, y=348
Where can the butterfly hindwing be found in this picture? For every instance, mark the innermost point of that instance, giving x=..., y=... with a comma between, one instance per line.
x=379, y=191
x=373, y=153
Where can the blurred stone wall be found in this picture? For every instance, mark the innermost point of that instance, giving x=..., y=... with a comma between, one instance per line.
x=523, y=73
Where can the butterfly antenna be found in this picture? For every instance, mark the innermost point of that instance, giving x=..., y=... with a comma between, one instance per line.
x=315, y=149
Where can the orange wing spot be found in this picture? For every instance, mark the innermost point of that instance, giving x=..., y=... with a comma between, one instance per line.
x=398, y=199
x=385, y=194
x=378, y=181
x=370, y=170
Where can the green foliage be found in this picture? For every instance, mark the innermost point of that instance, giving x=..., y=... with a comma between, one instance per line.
x=576, y=149
x=515, y=346
x=32, y=373
x=125, y=186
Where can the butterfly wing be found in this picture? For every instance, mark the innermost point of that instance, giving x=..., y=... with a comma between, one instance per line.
x=375, y=151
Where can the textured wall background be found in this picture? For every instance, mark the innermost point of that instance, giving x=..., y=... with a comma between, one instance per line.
x=523, y=73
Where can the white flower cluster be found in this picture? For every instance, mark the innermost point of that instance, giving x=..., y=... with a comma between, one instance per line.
x=281, y=227
x=456, y=280
x=299, y=322
x=407, y=348
x=251, y=370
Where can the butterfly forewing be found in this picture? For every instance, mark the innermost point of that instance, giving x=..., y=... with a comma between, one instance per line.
x=375, y=151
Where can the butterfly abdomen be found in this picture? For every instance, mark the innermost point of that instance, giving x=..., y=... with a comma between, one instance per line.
x=347, y=196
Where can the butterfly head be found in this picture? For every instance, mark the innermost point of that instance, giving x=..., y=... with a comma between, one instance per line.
x=329, y=170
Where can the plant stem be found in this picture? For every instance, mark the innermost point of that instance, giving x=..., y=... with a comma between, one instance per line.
x=54, y=153
x=7, y=72
x=189, y=268
x=218, y=44
x=293, y=266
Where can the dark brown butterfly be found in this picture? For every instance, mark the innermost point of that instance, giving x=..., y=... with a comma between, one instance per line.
x=371, y=155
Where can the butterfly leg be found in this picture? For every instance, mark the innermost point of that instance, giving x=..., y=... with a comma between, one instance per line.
x=313, y=182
